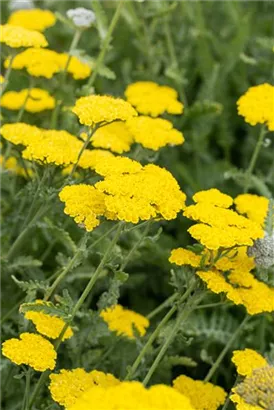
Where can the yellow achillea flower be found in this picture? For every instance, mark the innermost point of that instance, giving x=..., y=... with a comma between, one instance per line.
x=114, y=136
x=56, y=146
x=118, y=166
x=90, y=159
x=16, y=37
x=84, y=203
x=202, y=395
x=152, y=99
x=2, y=79
x=213, y=197
x=11, y=164
x=37, y=100
x=247, y=360
x=182, y=256
x=68, y=385
x=124, y=321
x=34, y=19
x=97, y=109
x=253, y=206
x=32, y=350
x=47, y=325
x=20, y=133
x=132, y=396
x=154, y=133
x=256, y=105
x=46, y=63
x=241, y=287
x=148, y=193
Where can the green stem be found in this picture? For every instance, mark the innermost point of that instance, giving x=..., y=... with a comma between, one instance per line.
x=25, y=404
x=22, y=109
x=22, y=237
x=215, y=366
x=249, y=171
x=105, y=44
x=78, y=305
x=163, y=305
x=67, y=268
x=156, y=332
x=186, y=311
x=84, y=146
x=135, y=247
x=74, y=43
x=7, y=74
x=10, y=312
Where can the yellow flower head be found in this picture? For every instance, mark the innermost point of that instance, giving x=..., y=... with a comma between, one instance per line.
x=20, y=133
x=213, y=197
x=97, y=109
x=55, y=146
x=124, y=321
x=2, y=79
x=154, y=133
x=132, y=396
x=32, y=350
x=181, y=256
x=69, y=385
x=46, y=63
x=253, y=206
x=143, y=194
x=256, y=105
x=247, y=360
x=90, y=159
x=50, y=326
x=115, y=137
x=241, y=404
x=118, y=166
x=152, y=99
x=33, y=19
x=241, y=288
x=84, y=203
x=220, y=227
x=202, y=395
x=16, y=37
x=37, y=100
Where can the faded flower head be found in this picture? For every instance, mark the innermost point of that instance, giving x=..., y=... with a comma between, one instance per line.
x=81, y=17
x=21, y=4
x=263, y=251
x=258, y=389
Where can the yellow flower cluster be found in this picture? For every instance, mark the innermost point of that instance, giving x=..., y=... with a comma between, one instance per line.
x=248, y=362
x=2, y=79
x=256, y=105
x=34, y=19
x=202, y=395
x=11, y=164
x=47, y=325
x=129, y=192
x=20, y=133
x=154, y=133
x=97, y=109
x=35, y=100
x=84, y=203
x=152, y=99
x=142, y=194
x=241, y=287
x=253, y=206
x=132, y=396
x=220, y=227
x=46, y=63
x=68, y=385
x=124, y=321
x=15, y=37
x=183, y=256
x=52, y=146
x=114, y=136
x=32, y=350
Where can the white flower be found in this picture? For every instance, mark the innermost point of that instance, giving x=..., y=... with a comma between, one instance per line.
x=21, y=4
x=81, y=17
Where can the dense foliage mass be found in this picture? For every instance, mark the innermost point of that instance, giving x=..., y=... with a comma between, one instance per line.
x=137, y=176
